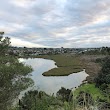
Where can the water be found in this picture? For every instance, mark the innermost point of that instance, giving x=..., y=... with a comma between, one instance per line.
x=51, y=84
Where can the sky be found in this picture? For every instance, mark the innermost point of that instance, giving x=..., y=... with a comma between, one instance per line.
x=56, y=23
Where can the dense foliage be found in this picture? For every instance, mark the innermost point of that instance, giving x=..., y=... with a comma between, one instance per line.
x=64, y=94
x=4, y=44
x=104, y=75
x=12, y=75
x=35, y=100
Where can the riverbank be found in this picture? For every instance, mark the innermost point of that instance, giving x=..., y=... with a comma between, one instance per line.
x=68, y=64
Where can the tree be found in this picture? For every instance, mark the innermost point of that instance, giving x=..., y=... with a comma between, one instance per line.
x=64, y=93
x=12, y=75
x=4, y=44
x=104, y=75
x=12, y=80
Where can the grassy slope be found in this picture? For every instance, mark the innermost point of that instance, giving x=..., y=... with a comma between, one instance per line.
x=66, y=65
x=91, y=89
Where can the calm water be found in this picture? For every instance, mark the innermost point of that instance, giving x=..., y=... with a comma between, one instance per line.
x=51, y=84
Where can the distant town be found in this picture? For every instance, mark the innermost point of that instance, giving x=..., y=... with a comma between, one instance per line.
x=20, y=51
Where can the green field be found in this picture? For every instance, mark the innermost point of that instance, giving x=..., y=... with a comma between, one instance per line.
x=66, y=64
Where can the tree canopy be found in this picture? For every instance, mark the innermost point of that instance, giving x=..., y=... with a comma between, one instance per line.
x=12, y=75
x=104, y=75
x=4, y=43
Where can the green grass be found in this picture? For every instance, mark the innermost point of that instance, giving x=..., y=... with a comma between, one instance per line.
x=91, y=89
x=67, y=65
x=62, y=71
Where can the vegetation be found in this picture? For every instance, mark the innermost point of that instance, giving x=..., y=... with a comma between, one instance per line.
x=12, y=75
x=104, y=75
x=67, y=64
x=64, y=94
x=91, y=89
x=34, y=100
x=4, y=44
x=103, y=78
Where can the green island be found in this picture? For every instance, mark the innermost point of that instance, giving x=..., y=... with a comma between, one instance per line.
x=66, y=65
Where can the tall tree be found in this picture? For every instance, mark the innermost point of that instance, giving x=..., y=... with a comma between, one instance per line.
x=4, y=44
x=12, y=75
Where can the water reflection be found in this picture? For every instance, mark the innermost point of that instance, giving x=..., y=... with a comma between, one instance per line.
x=52, y=84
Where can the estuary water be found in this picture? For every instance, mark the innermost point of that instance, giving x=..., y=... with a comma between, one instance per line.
x=51, y=84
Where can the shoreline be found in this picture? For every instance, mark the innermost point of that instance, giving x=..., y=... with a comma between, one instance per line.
x=65, y=65
x=86, y=62
x=69, y=64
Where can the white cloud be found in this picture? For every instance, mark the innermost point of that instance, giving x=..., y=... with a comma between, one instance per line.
x=23, y=3
x=56, y=23
x=11, y=27
x=22, y=43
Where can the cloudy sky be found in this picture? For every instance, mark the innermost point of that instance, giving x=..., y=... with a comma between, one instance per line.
x=56, y=23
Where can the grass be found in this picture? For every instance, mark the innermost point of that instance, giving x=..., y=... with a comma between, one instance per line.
x=91, y=89
x=61, y=71
x=67, y=65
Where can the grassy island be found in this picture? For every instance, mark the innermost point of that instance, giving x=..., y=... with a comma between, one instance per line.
x=66, y=64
